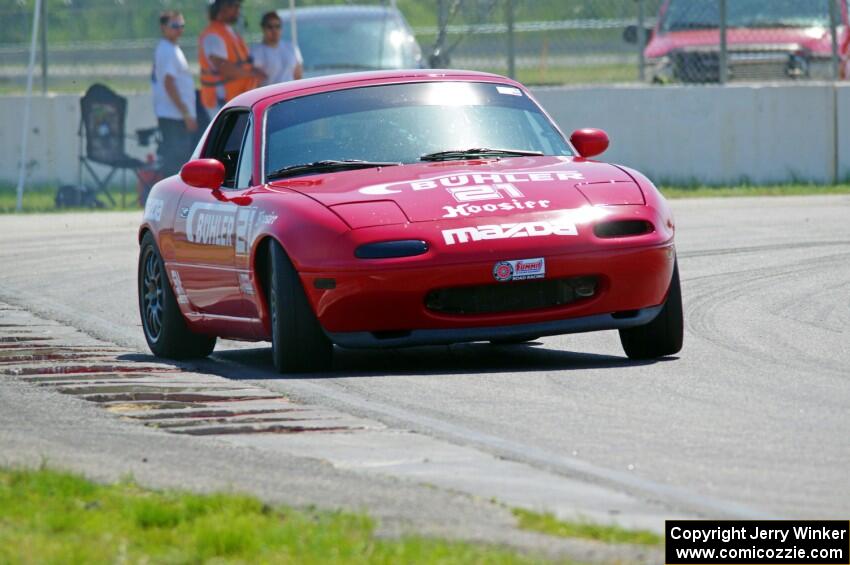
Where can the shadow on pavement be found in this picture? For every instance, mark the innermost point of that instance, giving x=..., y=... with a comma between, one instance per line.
x=436, y=361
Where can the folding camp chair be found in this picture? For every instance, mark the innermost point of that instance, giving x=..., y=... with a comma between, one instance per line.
x=102, y=120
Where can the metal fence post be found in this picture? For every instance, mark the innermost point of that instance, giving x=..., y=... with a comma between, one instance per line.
x=641, y=40
x=836, y=75
x=724, y=52
x=438, y=56
x=833, y=28
x=44, y=48
x=509, y=16
x=25, y=126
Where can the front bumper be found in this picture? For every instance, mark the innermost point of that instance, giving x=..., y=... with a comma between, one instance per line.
x=387, y=308
x=754, y=64
x=370, y=340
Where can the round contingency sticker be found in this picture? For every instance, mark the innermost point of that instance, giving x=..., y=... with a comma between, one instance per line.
x=503, y=271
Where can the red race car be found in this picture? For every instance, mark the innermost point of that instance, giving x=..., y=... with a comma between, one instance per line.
x=392, y=209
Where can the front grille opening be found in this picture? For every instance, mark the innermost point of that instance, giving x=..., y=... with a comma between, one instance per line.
x=625, y=314
x=747, y=64
x=622, y=228
x=511, y=297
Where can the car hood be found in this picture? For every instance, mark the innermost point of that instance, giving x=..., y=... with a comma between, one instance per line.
x=815, y=40
x=456, y=189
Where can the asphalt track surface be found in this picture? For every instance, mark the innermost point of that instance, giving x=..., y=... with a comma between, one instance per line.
x=751, y=420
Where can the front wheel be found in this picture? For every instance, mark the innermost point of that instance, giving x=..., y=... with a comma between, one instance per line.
x=298, y=343
x=165, y=329
x=662, y=336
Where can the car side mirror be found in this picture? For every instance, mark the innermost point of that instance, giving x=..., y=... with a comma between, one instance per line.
x=590, y=142
x=203, y=173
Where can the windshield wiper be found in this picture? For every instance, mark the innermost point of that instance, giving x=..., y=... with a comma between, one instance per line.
x=326, y=166
x=456, y=154
x=782, y=25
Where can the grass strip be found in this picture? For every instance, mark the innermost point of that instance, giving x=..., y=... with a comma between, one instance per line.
x=39, y=199
x=547, y=523
x=698, y=191
x=55, y=517
x=542, y=74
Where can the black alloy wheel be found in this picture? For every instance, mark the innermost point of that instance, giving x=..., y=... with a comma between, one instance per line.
x=165, y=328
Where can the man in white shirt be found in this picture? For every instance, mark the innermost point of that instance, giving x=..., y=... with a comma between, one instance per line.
x=173, y=96
x=280, y=60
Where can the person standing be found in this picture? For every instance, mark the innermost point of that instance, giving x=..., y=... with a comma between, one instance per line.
x=280, y=60
x=226, y=68
x=173, y=96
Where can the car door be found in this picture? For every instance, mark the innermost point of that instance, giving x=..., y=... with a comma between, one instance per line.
x=205, y=229
x=249, y=218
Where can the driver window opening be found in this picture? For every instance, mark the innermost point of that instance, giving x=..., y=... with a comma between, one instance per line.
x=246, y=161
x=227, y=144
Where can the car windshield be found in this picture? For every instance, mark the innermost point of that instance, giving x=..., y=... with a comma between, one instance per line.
x=684, y=15
x=401, y=123
x=361, y=42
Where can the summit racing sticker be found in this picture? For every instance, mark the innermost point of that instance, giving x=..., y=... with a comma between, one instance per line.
x=471, y=180
x=520, y=270
x=508, y=231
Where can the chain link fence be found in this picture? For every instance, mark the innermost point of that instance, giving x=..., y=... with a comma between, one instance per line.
x=537, y=41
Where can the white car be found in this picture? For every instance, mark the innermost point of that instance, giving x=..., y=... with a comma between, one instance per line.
x=341, y=39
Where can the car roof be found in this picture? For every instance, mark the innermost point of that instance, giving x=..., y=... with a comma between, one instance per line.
x=338, y=12
x=353, y=80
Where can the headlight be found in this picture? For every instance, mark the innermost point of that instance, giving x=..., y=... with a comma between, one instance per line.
x=367, y=214
x=391, y=249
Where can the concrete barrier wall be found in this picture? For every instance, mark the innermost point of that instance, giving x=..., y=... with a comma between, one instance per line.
x=53, y=144
x=712, y=135
x=843, y=131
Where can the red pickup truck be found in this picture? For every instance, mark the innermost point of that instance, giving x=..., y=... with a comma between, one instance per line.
x=766, y=40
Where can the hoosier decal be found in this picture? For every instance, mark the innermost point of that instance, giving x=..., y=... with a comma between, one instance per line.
x=478, y=194
x=467, y=210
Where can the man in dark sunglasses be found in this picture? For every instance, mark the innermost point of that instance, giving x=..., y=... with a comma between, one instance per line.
x=280, y=60
x=173, y=95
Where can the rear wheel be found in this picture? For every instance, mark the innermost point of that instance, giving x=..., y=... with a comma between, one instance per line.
x=165, y=329
x=298, y=343
x=662, y=336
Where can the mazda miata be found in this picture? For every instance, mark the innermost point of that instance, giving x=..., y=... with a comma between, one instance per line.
x=401, y=208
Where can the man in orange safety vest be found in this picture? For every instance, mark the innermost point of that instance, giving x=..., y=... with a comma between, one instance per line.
x=226, y=67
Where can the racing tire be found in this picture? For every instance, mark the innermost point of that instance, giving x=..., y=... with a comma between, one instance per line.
x=662, y=336
x=165, y=328
x=299, y=344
